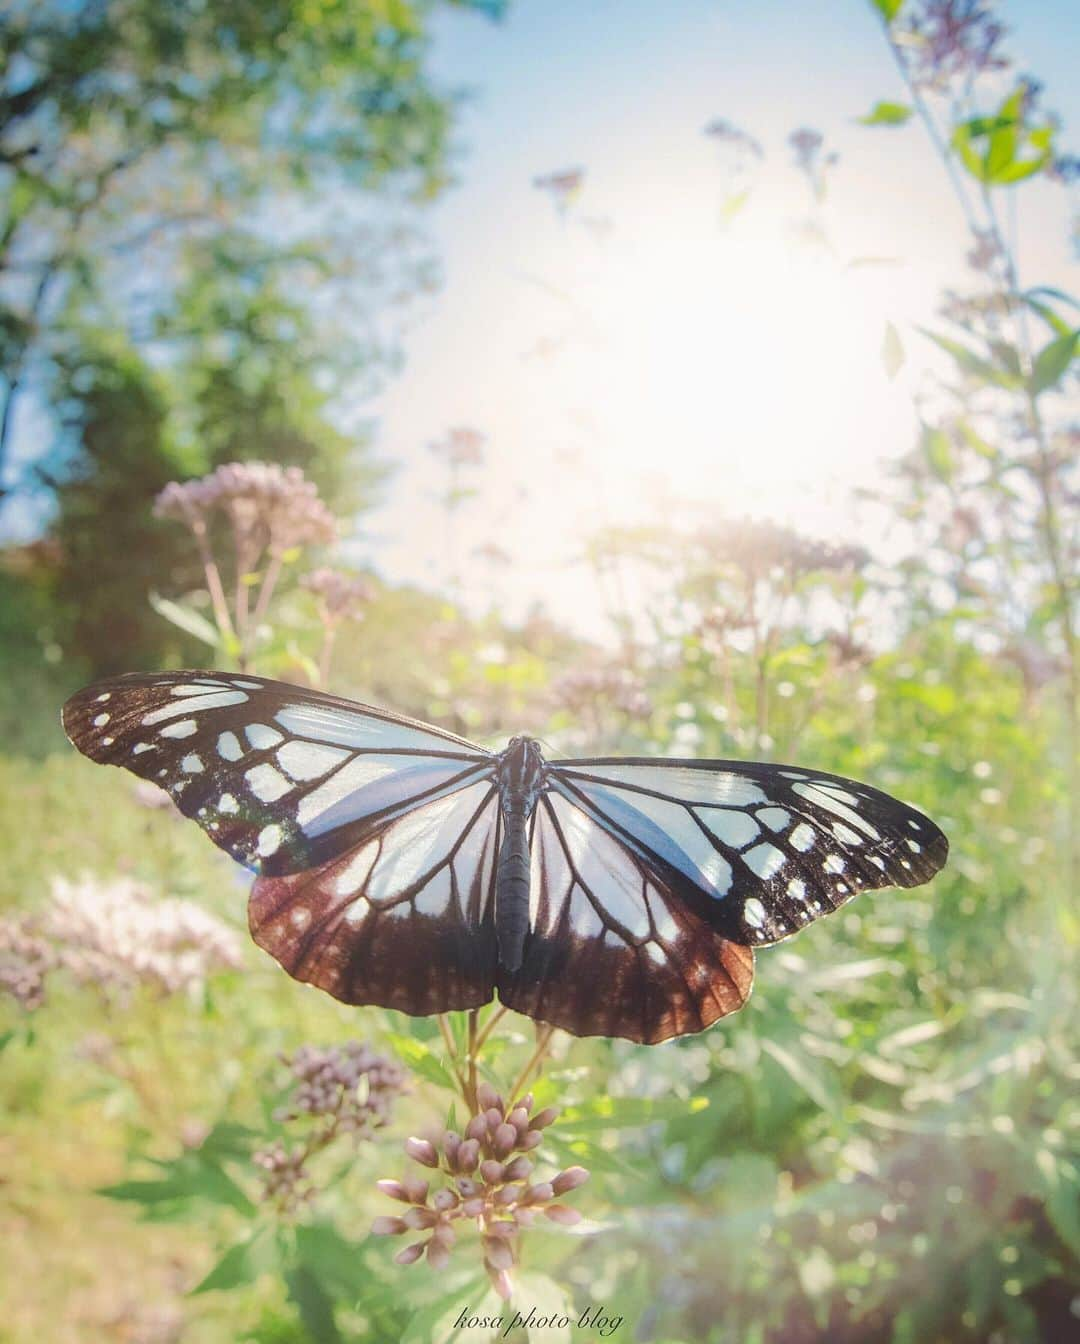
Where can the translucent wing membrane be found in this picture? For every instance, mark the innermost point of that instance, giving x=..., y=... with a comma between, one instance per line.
x=757, y=850
x=284, y=779
x=613, y=949
x=404, y=920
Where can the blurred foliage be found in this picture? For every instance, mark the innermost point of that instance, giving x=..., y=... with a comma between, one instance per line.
x=884, y=1145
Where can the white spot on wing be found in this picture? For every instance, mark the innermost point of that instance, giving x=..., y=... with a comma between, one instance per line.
x=227, y=803
x=839, y=809
x=357, y=912
x=140, y=747
x=846, y=835
x=229, y=748
x=197, y=703
x=776, y=818
x=266, y=783
x=803, y=837
x=796, y=889
x=349, y=728
x=105, y=695
x=192, y=765
x=262, y=736
x=729, y=826
x=833, y=864
x=270, y=838
x=754, y=912
x=184, y=728
x=300, y=917
x=101, y=720
x=765, y=860
x=309, y=760
x=716, y=788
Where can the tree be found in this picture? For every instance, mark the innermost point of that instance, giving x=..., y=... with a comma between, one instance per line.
x=134, y=137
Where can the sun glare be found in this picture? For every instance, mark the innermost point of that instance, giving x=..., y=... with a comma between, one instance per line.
x=743, y=372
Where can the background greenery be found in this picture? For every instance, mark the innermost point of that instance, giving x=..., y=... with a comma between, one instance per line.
x=885, y=1144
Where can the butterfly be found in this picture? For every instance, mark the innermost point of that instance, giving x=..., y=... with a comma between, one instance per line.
x=398, y=864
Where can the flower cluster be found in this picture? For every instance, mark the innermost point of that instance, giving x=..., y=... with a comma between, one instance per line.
x=724, y=132
x=486, y=1179
x=116, y=935
x=25, y=960
x=337, y=1090
x=951, y=41
x=563, y=187
x=762, y=547
x=583, y=688
x=340, y=595
x=269, y=506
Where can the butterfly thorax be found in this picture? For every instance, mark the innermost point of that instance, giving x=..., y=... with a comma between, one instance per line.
x=520, y=779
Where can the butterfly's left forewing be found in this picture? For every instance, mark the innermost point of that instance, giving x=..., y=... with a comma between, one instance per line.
x=282, y=778
x=374, y=837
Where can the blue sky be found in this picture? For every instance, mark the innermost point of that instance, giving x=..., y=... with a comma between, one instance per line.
x=612, y=376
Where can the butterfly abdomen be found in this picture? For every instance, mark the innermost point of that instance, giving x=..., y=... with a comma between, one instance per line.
x=512, y=889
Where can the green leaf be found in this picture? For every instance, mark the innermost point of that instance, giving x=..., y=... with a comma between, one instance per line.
x=801, y=1072
x=419, y=1057
x=937, y=449
x=888, y=9
x=972, y=363
x=191, y=622
x=314, y=1303
x=241, y=1263
x=1052, y=361
x=887, y=114
x=335, y=1259
x=605, y=1112
x=892, y=351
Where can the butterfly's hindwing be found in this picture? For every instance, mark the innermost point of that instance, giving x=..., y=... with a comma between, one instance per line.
x=280, y=777
x=759, y=850
x=612, y=949
x=404, y=920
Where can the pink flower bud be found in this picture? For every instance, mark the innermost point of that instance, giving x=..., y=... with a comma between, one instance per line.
x=410, y=1254
x=501, y=1282
x=509, y=1194
x=561, y=1213
x=539, y=1193
x=451, y=1143
x=422, y=1151
x=524, y=1215
x=517, y=1170
x=444, y=1200
x=416, y=1188
x=498, y=1252
x=543, y=1118
x=473, y=1208
x=395, y=1190
x=438, y=1255
x=569, y=1179
x=504, y=1139
x=503, y=1227
x=444, y=1235
x=519, y=1118
x=385, y=1226
x=488, y=1098
x=477, y=1127
x=418, y=1218
x=525, y=1102
x=468, y=1157
x=468, y=1188
x=491, y=1171
x=531, y=1140
x=493, y=1117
